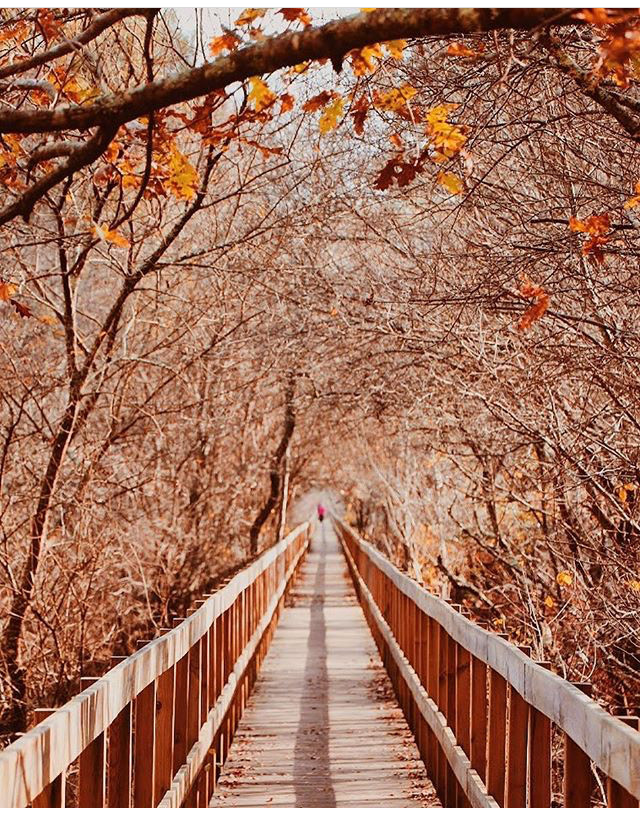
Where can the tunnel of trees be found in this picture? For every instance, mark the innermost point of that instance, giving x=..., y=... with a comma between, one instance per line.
x=394, y=255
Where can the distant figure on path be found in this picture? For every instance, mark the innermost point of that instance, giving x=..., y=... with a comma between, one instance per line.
x=321, y=512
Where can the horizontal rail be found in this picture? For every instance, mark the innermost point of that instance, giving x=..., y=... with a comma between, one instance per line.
x=421, y=624
x=30, y=764
x=469, y=779
x=186, y=776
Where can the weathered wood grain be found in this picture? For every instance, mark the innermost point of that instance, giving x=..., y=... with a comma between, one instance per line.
x=612, y=745
x=29, y=764
x=321, y=727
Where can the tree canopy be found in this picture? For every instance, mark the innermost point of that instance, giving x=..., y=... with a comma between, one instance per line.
x=389, y=254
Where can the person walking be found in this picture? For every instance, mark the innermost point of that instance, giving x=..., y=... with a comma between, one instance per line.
x=321, y=512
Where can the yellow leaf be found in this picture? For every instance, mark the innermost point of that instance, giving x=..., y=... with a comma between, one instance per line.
x=363, y=60
x=7, y=290
x=634, y=584
x=48, y=320
x=260, y=94
x=549, y=602
x=499, y=622
x=249, y=15
x=395, y=99
x=183, y=177
x=331, y=114
x=333, y=312
x=564, y=578
x=450, y=182
x=396, y=47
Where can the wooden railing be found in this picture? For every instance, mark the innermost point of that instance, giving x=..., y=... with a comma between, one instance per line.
x=494, y=727
x=156, y=728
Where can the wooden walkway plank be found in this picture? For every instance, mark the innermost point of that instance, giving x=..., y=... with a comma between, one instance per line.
x=322, y=727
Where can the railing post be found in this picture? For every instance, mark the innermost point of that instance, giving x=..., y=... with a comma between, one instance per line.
x=463, y=702
x=617, y=796
x=478, y=734
x=163, y=741
x=144, y=738
x=539, y=756
x=119, y=755
x=52, y=796
x=180, y=700
x=443, y=765
x=577, y=779
x=496, y=736
x=516, y=779
x=91, y=766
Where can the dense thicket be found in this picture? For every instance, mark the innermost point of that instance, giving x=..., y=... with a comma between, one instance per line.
x=232, y=296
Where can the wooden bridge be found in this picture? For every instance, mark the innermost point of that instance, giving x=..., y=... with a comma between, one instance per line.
x=320, y=675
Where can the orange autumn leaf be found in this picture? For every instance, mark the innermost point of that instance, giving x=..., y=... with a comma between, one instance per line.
x=459, y=49
x=183, y=177
x=286, y=102
x=364, y=60
x=396, y=48
x=319, y=101
x=21, y=309
x=226, y=42
x=632, y=202
x=111, y=236
x=446, y=138
x=293, y=15
x=7, y=290
x=541, y=300
x=249, y=15
x=597, y=228
x=394, y=100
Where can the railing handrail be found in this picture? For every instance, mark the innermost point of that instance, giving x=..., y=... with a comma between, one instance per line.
x=35, y=759
x=611, y=744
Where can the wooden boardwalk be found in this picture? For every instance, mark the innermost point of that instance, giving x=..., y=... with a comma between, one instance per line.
x=322, y=727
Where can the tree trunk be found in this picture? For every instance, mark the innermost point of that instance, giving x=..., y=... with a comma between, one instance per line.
x=275, y=474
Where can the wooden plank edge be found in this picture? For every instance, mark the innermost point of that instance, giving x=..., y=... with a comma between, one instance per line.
x=613, y=746
x=187, y=773
x=32, y=761
x=468, y=778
